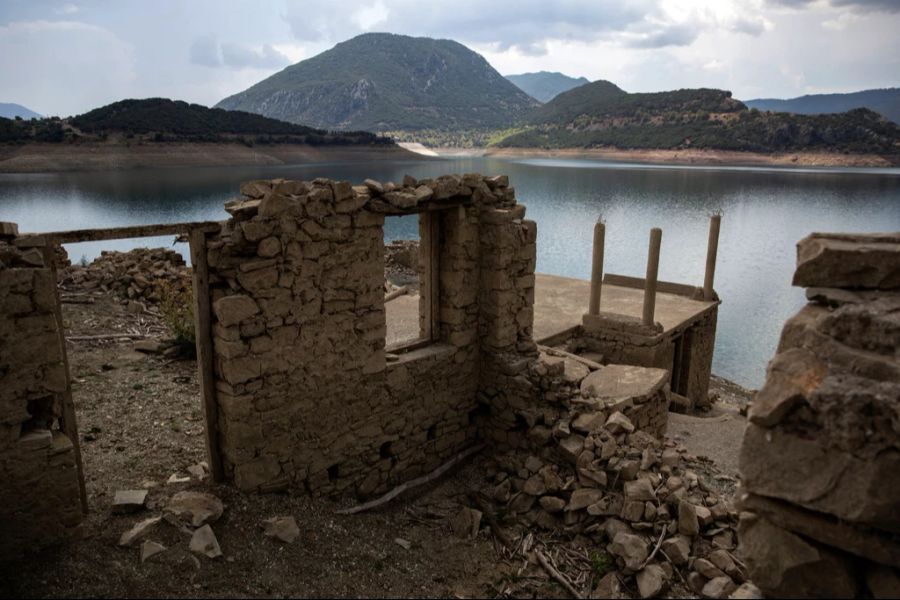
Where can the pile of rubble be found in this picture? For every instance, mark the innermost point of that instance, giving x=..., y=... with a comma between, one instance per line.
x=634, y=496
x=188, y=512
x=820, y=461
x=586, y=459
x=143, y=275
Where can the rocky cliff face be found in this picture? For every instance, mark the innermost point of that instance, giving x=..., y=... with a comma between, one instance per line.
x=820, y=461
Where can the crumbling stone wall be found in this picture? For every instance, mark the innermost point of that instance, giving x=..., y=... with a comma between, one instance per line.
x=39, y=495
x=820, y=461
x=689, y=350
x=307, y=395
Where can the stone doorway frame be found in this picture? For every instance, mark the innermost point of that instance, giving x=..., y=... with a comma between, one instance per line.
x=196, y=232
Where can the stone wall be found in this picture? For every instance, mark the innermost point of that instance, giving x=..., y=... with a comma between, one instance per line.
x=307, y=395
x=820, y=461
x=39, y=496
x=688, y=350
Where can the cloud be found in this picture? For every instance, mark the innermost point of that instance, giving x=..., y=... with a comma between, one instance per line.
x=84, y=63
x=679, y=34
x=890, y=6
x=67, y=9
x=208, y=52
x=205, y=51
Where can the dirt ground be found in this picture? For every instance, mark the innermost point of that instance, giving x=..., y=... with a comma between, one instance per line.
x=140, y=422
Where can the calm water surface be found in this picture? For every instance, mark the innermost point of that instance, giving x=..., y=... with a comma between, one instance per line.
x=766, y=211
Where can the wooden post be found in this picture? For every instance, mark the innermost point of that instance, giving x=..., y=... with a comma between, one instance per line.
x=597, y=267
x=652, y=271
x=203, y=335
x=429, y=258
x=712, y=249
x=68, y=423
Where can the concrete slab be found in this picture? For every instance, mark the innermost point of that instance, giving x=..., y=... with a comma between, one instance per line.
x=560, y=302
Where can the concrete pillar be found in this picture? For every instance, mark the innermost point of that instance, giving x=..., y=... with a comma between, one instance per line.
x=652, y=271
x=597, y=267
x=712, y=249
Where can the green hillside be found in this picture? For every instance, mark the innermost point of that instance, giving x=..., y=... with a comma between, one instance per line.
x=161, y=120
x=387, y=82
x=544, y=85
x=602, y=115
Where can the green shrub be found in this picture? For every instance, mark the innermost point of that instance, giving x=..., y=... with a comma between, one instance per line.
x=177, y=310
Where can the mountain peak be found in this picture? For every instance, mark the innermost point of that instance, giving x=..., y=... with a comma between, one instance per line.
x=546, y=85
x=387, y=82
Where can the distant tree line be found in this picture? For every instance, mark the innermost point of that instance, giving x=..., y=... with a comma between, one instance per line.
x=162, y=120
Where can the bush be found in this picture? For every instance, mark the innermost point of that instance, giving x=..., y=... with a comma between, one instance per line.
x=177, y=309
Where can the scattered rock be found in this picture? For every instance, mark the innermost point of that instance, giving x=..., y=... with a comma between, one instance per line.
x=282, y=528
x=719, y=587
x=196, y=508
x=129, y=501
x=149, y=549
x=631, y=549
x=405, y=544
x=139, y=531
x=619, y=423
x=651, y=581
x=466, y=523
x=204, y=542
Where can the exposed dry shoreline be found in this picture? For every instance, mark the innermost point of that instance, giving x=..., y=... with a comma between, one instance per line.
x=38, y=158
x=706, y=157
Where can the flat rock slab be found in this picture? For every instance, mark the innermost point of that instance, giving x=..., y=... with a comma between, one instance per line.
x=128, y=501
x=197, y=508
x=624, y=381
x=849, y=261
x=282, y=528
x=204, y=542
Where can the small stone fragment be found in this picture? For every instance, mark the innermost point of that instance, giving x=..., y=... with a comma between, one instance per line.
x=405, y=544
x=651, y=581
x=631, y=549
x=687, y=519
x=204, y=542
x=466, y=522
x=720, y=587
x=196, y=508
x=149, y=549
x=282, y=528
x=619, y=423
x=139, y=531
x=129, y=501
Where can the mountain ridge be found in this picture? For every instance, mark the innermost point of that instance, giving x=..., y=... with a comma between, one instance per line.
x=885, y=101
x=383, y=82
x=546, y=85
x=11, y=110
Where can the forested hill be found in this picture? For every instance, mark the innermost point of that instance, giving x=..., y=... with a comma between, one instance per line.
x=602, y=115
x=885, y=102
x=160, y=119
x=388, y=82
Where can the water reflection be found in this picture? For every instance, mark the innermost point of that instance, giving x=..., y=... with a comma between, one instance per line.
x=765, y=212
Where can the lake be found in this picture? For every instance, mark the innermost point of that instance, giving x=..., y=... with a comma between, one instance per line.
x=766, y=211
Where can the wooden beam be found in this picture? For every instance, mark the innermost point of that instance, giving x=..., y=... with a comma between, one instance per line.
x=380, y=206
x=120, y=233
x=68, y=422
x=667, y=287
x=203, y=335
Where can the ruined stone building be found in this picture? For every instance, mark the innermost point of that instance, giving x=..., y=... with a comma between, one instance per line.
x=300, y=391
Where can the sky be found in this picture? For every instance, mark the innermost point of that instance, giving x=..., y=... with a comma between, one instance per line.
x=65, y=57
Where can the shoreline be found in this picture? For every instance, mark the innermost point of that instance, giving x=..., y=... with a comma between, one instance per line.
x=55, y=158
x=704, y=157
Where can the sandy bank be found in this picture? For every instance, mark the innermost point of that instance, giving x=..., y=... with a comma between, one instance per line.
x=708, y=157
x=37, y=158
